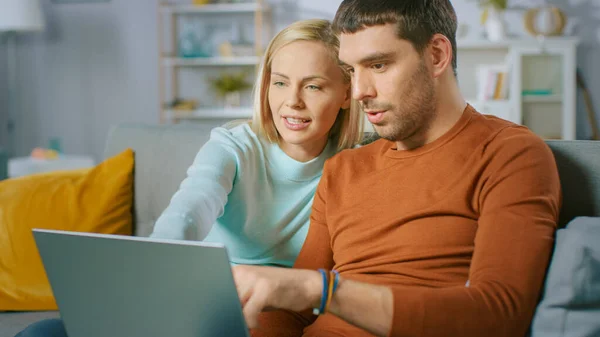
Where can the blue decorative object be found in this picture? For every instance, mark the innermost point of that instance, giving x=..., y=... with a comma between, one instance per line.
x=3, y=165
x=190, y=45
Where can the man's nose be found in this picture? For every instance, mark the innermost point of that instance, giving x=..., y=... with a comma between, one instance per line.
x=362, y=87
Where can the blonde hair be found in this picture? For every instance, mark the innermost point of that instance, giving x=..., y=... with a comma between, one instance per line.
x=347, y=130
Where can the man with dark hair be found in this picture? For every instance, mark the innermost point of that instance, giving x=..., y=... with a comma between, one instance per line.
x=443, y=227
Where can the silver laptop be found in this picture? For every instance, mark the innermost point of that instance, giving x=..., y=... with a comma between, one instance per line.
x=122, y=286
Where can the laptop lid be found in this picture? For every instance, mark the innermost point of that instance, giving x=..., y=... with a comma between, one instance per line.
x=123, y=286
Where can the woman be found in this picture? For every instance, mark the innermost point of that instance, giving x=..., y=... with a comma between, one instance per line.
x=251, y=185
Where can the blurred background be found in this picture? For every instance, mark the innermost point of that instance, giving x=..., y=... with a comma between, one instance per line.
x=88, y=64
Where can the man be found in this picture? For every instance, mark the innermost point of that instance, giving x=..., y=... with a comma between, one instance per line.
x=444, y=227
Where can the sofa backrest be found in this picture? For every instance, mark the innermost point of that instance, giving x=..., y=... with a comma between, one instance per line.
x=163, y=154
x=578, y=163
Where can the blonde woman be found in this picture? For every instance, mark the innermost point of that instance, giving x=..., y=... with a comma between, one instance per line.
x=253, y=184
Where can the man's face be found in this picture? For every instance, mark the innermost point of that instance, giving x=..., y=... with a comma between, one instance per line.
x=391, y=80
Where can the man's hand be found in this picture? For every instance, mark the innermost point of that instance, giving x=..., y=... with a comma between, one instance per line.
x=263, y=288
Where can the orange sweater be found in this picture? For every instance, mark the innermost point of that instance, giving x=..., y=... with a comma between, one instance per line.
x=480, y=203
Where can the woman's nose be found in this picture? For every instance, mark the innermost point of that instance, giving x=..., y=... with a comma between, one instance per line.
x=294, y=100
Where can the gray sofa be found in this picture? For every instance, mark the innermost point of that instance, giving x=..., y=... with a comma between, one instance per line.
x=163, y=154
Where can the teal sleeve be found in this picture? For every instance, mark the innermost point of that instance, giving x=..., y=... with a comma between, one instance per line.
x=203, y=194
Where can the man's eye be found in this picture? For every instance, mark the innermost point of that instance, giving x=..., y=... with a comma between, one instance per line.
x=378, y=66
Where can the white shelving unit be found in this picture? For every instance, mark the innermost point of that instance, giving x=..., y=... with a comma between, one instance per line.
x=209, y=113
x=548, y=64
x=249, y=7
x=211, y=61
x=171, y=65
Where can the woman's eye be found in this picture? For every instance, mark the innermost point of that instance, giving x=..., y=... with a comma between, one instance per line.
x=312, y=87
x=278, y=84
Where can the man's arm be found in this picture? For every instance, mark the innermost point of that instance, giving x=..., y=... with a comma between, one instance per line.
x=519, y=202
x=298, y=290
x=315, y=253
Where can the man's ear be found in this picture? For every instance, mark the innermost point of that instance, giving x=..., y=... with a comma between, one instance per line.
x=347, y=98
x=441, y=54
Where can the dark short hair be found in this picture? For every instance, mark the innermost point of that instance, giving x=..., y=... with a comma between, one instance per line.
x=417, y=20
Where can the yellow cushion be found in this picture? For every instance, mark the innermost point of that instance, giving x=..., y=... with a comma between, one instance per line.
x=97, y=199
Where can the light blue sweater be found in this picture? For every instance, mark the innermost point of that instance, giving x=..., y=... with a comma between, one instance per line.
x=255, y=199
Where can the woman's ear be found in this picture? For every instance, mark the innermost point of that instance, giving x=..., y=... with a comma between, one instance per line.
x=347, y=98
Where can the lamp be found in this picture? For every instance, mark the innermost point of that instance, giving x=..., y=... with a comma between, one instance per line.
x=16, y=16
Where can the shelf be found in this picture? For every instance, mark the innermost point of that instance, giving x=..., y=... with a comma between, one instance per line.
x=542, y=99
x=479, y=44
x=250, y=7
x=211, y=61
x=211, y=113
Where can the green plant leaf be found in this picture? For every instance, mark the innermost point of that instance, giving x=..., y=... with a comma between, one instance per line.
x=230, y=82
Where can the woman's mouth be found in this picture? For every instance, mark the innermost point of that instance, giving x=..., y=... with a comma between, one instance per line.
x=296, y=123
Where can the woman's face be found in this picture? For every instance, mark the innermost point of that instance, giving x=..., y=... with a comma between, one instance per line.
x=306, y=91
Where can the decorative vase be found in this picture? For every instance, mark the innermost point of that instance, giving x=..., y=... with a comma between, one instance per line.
x=495, y=26
x=546, y=21
x=233, y=99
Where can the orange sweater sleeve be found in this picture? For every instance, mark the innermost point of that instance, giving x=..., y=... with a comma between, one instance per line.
x=519, y=201
x=315, y=253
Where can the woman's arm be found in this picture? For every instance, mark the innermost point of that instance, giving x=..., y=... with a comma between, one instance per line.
x=202, y=196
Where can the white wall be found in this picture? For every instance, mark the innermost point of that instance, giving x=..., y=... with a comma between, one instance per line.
x=96, y=65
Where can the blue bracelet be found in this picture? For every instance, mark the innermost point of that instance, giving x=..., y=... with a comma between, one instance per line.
x=323, y=294
x=335, y=281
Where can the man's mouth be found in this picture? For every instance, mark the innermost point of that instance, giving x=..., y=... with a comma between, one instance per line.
x=375, y=116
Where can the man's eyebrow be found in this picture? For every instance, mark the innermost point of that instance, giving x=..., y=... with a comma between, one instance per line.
x=376, y=57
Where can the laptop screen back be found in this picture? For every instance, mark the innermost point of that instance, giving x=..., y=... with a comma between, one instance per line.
x=122, y=286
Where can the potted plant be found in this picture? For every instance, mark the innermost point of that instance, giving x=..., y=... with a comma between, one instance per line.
x=492, y=18
x=230, y=86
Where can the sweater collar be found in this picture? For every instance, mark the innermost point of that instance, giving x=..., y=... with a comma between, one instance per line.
x=449, y=135
x=291, y=169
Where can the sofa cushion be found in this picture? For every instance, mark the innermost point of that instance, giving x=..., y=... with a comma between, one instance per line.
x=95, y=200
x=12, y=323
x=570, y=305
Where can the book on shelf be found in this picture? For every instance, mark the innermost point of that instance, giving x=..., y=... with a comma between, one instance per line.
x=493, y=82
